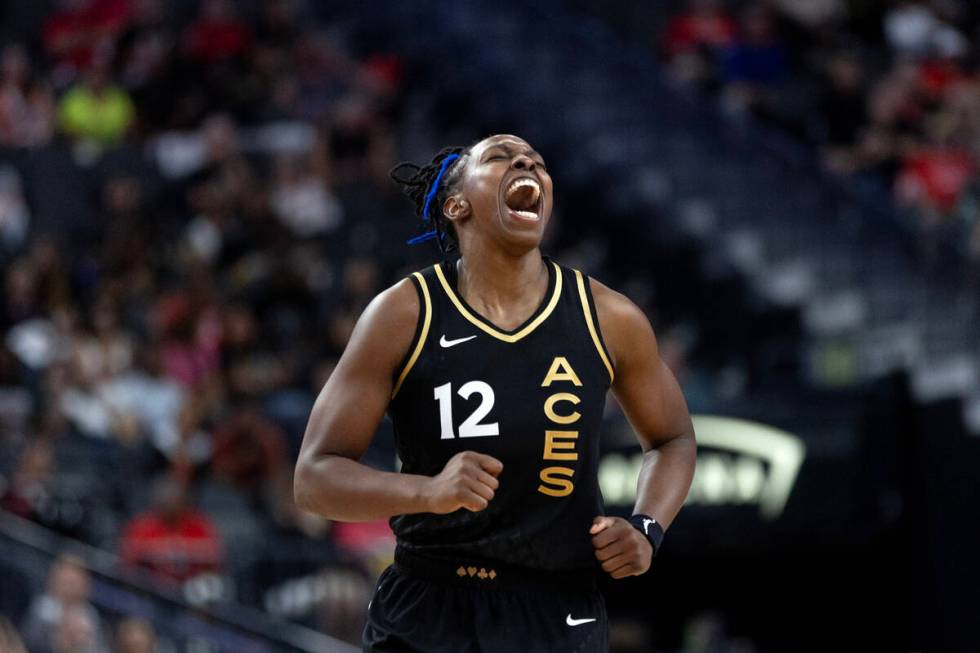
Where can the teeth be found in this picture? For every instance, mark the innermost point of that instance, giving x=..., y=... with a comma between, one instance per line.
x=527, y=215
x=523, y=181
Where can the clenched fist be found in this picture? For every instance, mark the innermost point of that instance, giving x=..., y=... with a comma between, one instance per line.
x=622, y=550
x=468, y=480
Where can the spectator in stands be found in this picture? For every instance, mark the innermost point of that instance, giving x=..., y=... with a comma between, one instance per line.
x=20, y=299
x=30, y=487
x=16, y=404
x=191, y=332
x=145, y=403
x=758, y=55
x=128, y=227
x=49, y=265
x=26, y=105
x=339, y=612
x=79, y=397
x=172, y=540
x=705, y=24
x=813, y=15
x=145, y=45
x=15, y=216
x=63, y=615
x=250, y=453
x=77, y=28
x=694, y=38
x=357, y=143
x=755, y=64
x=843, y=111
x=218, y=34
x=75, y=632
x=105, y=350
x=913, y=29
x=894, y=123
x=134, y=636
x=301, y=198
x=96, y=109
x=255, y=368
x=934, y=175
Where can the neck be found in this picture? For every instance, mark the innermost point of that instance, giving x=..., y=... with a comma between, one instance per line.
x=505, y=288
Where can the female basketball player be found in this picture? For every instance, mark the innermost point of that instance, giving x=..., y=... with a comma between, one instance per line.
x=494, y=369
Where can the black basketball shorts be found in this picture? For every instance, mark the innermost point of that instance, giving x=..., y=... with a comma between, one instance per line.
x=457, y=607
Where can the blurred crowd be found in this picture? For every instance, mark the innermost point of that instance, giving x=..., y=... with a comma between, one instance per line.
x=888, y=91
x=62, y=619
x=189, y=193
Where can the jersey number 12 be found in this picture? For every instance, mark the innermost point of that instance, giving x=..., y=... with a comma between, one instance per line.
x=471, y=426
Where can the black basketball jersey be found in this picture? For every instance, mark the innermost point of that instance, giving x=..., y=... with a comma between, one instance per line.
x=532, y=397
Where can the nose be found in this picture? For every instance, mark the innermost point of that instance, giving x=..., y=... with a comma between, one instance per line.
x=522, y=162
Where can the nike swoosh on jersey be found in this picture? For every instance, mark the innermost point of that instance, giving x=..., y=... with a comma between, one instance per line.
x=450, y=343
x=576, y=622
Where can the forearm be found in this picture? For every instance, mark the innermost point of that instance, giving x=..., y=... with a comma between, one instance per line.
x=342, y=489
x=665, y=479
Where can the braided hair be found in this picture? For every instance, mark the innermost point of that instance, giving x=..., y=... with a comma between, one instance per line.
x=429, y=186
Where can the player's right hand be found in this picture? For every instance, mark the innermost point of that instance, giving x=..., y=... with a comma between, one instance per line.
x=468, y=480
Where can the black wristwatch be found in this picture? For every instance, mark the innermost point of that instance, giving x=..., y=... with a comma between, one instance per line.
x=651, y=529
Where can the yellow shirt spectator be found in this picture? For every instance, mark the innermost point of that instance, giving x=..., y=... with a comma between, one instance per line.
x=100, y=114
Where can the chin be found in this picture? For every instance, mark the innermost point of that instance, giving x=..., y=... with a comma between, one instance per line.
x=522, y=238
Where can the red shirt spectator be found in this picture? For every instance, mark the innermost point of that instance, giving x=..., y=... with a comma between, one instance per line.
x=72, y=33
x=173, y=540
x=705, y=24
x=937, y=76
x=936, y=178
x=217, y=34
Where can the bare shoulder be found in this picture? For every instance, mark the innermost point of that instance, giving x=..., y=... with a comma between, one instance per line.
x=396, y=307
x=615, y=306
x=385, y=329
x=624, y=325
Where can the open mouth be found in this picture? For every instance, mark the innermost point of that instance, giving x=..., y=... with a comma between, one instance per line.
x=523, y=198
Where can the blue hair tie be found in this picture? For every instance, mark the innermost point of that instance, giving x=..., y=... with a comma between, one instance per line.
x=435, y=184
x=429, y=235
x=421, y=238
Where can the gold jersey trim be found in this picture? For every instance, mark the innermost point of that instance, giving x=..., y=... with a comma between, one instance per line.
x=496, y=333
x=592, y=327
x=426, y=320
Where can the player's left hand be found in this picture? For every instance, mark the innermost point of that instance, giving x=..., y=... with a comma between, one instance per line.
x=622, y=550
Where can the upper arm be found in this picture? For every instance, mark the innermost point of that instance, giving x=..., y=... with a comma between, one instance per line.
x=644, y=386
x=353, y=401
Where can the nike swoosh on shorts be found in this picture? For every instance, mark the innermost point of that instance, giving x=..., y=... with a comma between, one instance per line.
x=576, y=622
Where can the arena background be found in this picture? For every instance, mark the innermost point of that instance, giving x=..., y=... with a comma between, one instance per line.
x=194, y=209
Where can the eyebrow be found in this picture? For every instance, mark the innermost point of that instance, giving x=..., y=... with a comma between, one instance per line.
x=510, y=150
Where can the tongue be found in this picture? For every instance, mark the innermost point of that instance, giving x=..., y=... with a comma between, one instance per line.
x=522, y=198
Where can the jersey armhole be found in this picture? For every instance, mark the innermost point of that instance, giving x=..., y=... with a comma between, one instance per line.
x=421, y=331
x=592, y=322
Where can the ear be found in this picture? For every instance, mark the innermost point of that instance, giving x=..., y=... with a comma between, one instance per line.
x=456, y=208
